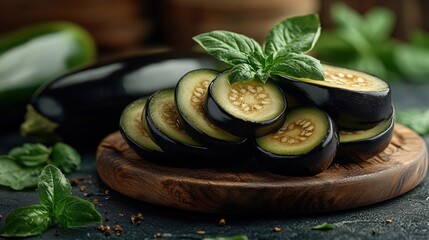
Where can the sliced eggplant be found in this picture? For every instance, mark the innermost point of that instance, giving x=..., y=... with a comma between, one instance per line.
x=306, y=143
x=189, y=96
x=360, y=145
x=135, y=135
x=355, y=100
x=245, y=108
x=161, y=121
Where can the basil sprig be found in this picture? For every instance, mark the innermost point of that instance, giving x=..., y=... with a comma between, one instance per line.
x=22, y=166
x=57, y=205
x=235, y=237
x=282, y=54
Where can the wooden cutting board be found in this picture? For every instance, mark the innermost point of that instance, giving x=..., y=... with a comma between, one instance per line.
x=246, y=189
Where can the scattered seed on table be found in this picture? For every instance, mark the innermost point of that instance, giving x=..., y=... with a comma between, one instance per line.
x=137, y=219
x=222, y=222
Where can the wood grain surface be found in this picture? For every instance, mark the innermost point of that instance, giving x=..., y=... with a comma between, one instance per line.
x=248, y=189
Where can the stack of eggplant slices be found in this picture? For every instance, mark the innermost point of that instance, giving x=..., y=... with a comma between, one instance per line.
x=290, y=126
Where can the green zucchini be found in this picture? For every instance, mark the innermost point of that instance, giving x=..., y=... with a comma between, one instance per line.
x=34, y=55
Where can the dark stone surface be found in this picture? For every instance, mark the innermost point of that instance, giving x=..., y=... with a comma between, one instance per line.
x=405, y=217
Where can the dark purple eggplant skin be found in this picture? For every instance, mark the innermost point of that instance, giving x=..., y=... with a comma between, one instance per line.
x=184, y=155
x=144, y=153
x=362, y=150
x=87, y=103
x=349, y=109
x=239, y=127
x=312, y=163
x=207, y=140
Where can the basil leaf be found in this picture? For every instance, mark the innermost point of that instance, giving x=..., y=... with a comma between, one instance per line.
x=378, y=24
x=26, y=221
x=30, y=154
x=345, y=16
x=241, y=73
x=236, y=237
x=231, y=48
x=419, y=38
x=324, y=226
x=53, y=187
x=413, y=62
x=295, y=34
x=65, y=157
x=73, y=211
x=291, y=38
x=334, y=49
x=17, y=177
x=416, y=119
x=298, y=66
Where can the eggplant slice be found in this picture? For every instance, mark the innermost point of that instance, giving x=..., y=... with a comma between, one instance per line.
x=161, y=121
x=355, y=100
x=306, y=143
x=360, y=145
x=189, y=95
x=250, y=108
x=135, y=135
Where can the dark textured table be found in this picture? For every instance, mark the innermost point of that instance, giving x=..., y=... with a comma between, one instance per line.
x=405, y=217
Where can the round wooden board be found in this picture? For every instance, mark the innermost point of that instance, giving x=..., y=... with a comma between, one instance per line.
x=246, y=189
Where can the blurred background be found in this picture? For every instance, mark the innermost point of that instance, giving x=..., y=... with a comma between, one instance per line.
x=387, y=38
x=124, y=25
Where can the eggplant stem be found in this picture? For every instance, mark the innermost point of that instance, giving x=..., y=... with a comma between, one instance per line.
x=39, y=127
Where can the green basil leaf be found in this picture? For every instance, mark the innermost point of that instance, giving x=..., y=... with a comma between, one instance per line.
x=26, y=221
x=53, y=187
x=231, y=48
x=65, y=157
x=30, y=155
x=295, y=34
x=241, y=73
x=236, y=237
x=73, y=211
x=333, y=49
x=413, y=62
x=17, y=177
x=356, y=39
x=419, y=38
x=378, y=24
x=416, y=119
x=298, y=66
x=324, y=226
x=345, y=16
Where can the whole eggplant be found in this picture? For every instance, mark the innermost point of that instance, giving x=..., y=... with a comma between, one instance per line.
x=82, y=107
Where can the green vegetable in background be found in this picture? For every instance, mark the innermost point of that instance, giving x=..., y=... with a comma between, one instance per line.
x=34, y=55
x=364, y=42
x=22, y=166
x=57, y=205
x=416, y=119
x=282, y=54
